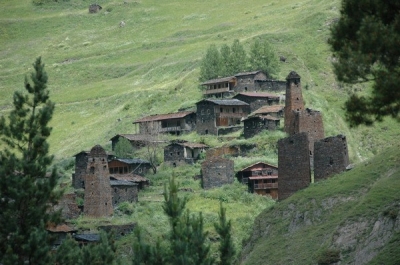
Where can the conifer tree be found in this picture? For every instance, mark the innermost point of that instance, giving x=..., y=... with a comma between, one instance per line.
x=26, y=192
x=226, y=247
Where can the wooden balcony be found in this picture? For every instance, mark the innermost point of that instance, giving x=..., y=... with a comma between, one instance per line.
x=216, y=91
x=263, y=186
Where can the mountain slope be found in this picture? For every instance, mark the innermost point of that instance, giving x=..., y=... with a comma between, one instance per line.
x=355, y=215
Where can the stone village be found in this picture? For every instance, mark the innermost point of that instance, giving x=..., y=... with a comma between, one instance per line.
x=246, y=101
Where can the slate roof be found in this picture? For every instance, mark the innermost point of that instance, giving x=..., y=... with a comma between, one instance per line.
x=189, y=144
x=160, y=117
x=122, y=183
x=248, y=167
x=219, y=80
x=129, y=177
x=132, y=137
x=249, y=73
x=226, y=102
x=258, y=95
x=87, y=237
x=132, y=160
x=269, y=109
x=62, y=228
x=263, y=117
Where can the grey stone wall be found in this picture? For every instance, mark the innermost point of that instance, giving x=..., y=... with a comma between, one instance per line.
x=294, y=164
x=293, y=100
x=78, y=178
x=217, y=172
x=123, y=193
x=255, y=125
x=205, y=118
x=174, y=155
x=257, y=102
x=270, y=86
x=330, y=156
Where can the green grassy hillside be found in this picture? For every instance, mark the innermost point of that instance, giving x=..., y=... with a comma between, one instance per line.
x=102, y=77
x=99, y=72
x=354, y=216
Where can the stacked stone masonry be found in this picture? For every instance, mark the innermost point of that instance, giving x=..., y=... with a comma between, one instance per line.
x=330, y=157
x=294, y=164
x=217, y=172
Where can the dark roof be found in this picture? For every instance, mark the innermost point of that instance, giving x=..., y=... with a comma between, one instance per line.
x=88, y=153
x=292, y=75
x=258, y=95
x=132, y=160
x=268, y=109
x=122, y=183
x=132, y=137
x=262, y=117
x=160, y=117
x=87, y=237
x=226, y=102
x=219, y=80
x=249, y=73
x=129, y=177
x=248, y=167
x=188, y=144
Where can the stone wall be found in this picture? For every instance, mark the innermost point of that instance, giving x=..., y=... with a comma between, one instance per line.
x=294, y=164
x=330, y=156
x=69, y=207
x=228, y=130
x=270, y=86
x=309, y=121
x=257, y=102
x=205, y=118
x=123, y=191
x=98, y=201
x=255, y=125
x=78, y=178
x=220, y=151
x=293, y=101
x=217, y=172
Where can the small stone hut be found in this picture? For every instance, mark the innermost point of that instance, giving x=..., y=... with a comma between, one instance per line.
x=183, y=152
x=257, y=100
x=216, y=172
x=256, y=124
x=123, y=191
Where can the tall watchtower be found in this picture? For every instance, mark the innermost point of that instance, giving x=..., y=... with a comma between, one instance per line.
x=294, y=100
x=98, y=201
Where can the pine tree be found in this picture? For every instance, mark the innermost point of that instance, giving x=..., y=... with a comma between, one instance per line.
x=263, y=57
x=26, y=192
x=365, y=43
x=226, y=247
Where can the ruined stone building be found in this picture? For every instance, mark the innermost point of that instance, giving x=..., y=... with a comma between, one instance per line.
x=137, y=140
x=98, y=199
x=123, y=191
x=216, y=172
x=68, y=206
x=60, y=233
x=242, y=82
x=171, y=123
x=297, y=118
x=330, y=156
x=257, y=100
x=255, y=124
x=222, y=151
x=183, y=152
x=294, y=164
x=215, y=115
x=261, y=178
x=140, y=181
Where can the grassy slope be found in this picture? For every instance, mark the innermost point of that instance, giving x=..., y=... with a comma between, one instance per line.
x=302, y=227
x=99, y=73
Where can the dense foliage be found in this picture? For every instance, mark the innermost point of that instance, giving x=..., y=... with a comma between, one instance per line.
x=230, y=60
x=365, y=42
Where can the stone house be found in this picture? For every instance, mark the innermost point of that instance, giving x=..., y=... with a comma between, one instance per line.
x=121, y=166
x=216, y=172
x=294, y=164
x=257, y=100
x=172, y=123
x=222, y=151
x=60, y=233
x=330, y=156
x=68, y=206
x=140, y=181
x=226, y=87
x=123, y=191
x=261, y=178
x=274, y=111
x=183, y=152
x=97, y=199
x=216, y=114
x=255, y=124
x=220, y=87
x=137, y=140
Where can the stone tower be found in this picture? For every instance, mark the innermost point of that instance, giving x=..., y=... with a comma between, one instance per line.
x=98, y=201
x=294, y=100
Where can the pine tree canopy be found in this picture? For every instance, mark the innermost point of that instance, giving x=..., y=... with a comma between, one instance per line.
x=365, y=42
x=26, y=191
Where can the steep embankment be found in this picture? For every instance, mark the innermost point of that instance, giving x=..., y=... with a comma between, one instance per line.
x=354, y=217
